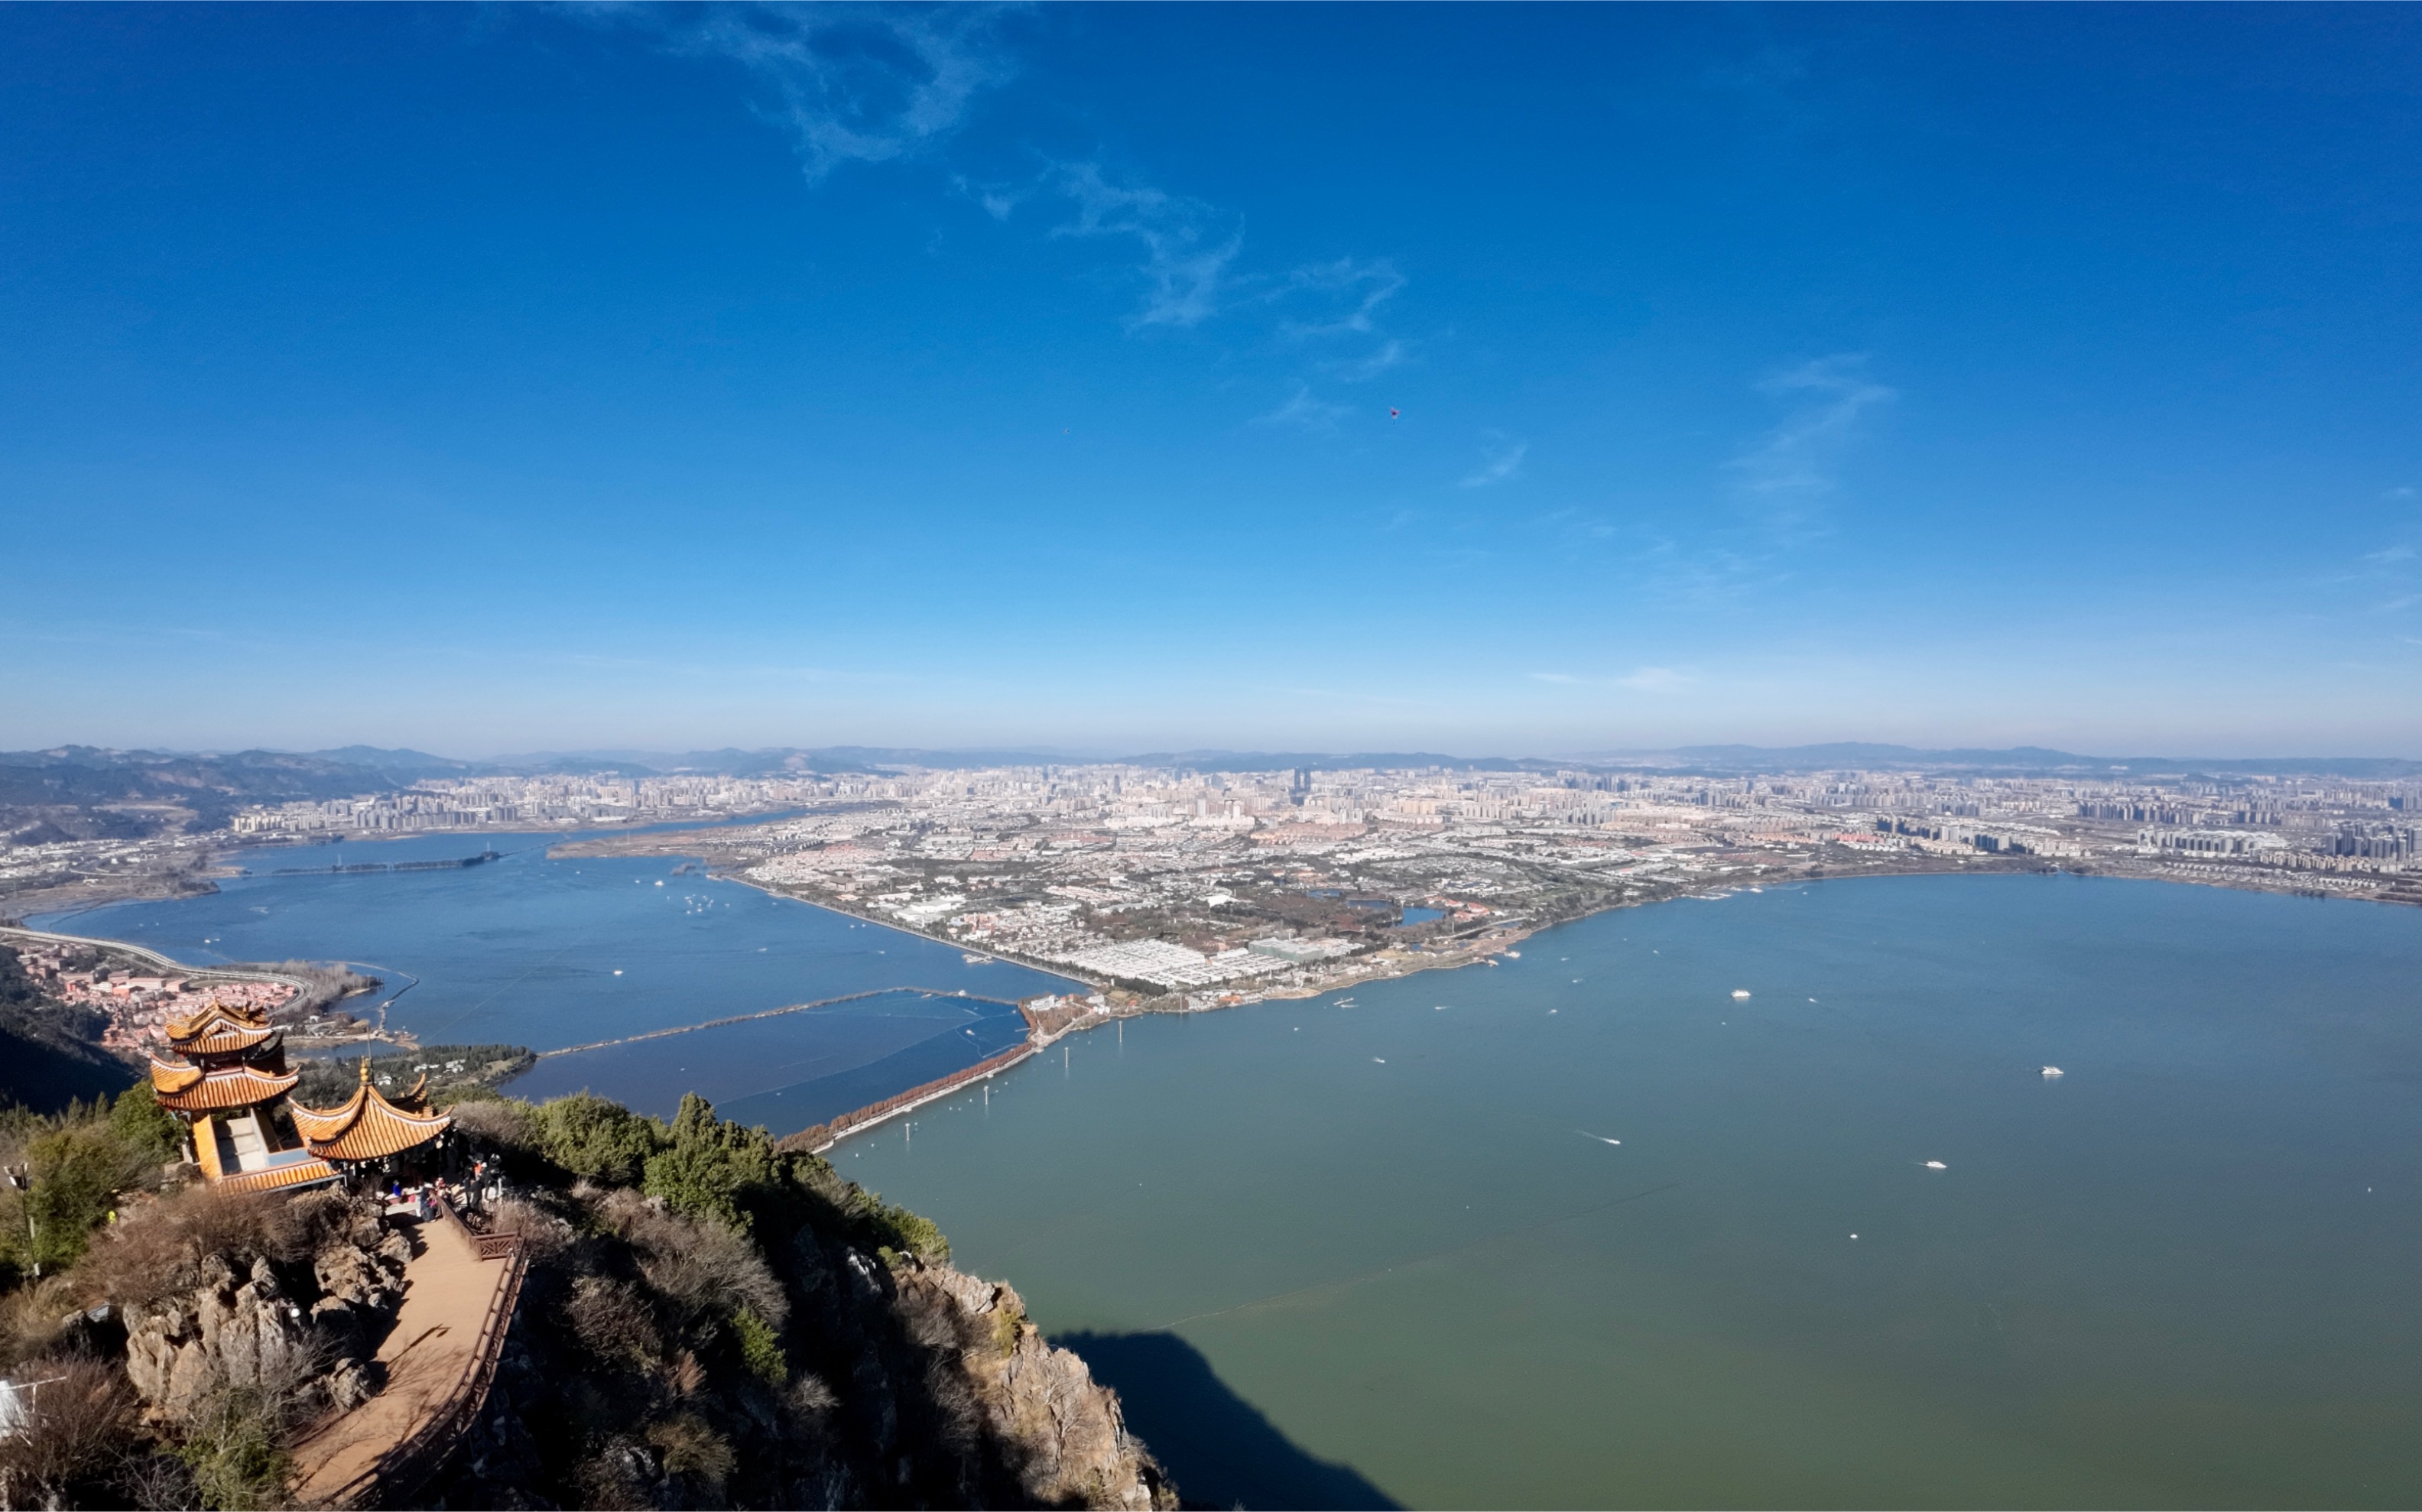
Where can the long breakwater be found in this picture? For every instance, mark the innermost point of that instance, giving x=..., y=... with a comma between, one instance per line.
x=822, y=1136
x=363, y=868
x=769, y=1013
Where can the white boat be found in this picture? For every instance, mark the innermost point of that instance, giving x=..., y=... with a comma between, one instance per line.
x=1936, y=1165
x=1740, y=992
x=2054, y=1071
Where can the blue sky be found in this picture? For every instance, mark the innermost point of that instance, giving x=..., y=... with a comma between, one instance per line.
x=1499, y=379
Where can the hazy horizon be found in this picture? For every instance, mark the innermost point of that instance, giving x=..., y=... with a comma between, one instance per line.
x=895, y=753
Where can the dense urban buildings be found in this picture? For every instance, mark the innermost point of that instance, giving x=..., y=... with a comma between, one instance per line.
x=1209, y=885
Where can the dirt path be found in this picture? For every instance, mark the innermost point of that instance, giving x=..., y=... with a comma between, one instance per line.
x=431, y=1358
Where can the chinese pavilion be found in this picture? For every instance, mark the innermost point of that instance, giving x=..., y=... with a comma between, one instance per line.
x=230, y=1083
x=366, y=1130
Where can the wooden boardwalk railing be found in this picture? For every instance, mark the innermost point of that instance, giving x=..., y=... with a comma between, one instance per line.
x=405, y=1466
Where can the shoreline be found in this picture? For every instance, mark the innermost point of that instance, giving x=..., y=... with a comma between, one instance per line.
x=95, y=893
x=1039, y=1039
x=1126, y=1003
x=2391, y=887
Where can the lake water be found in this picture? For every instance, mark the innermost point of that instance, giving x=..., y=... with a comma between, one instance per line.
x=1391, y=1253
x=548, y=953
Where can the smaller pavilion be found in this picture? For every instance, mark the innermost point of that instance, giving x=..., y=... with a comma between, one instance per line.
x=366, y=1134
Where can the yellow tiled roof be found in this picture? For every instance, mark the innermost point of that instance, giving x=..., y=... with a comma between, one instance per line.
x=277, y=1178
x=192, y=1090
x=365, y=1126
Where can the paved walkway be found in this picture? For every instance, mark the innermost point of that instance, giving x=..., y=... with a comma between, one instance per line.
x=431, y=1359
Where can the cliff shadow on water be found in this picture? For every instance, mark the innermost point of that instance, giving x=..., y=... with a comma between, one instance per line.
x=1216, y=1446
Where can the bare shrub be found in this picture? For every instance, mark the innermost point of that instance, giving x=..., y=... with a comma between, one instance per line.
x=315, y=1218
x=704, y=1266
x=507, y=1126
x=160, y=1250
x=612, y=1320
x=157, y=1481
x=810, y=1399
x=932, y=1319
x=233, y=1436
x=618, y=1474
x=232, y=1449
x=73, y=1435
x=544, y=1237
x=30, y=1316
x=691, y=1449
x=688, y=1374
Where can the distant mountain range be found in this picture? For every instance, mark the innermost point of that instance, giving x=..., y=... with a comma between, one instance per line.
x=84, y=792
x=1854, y=755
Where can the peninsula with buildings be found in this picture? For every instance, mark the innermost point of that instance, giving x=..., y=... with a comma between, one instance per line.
x=1190, y=882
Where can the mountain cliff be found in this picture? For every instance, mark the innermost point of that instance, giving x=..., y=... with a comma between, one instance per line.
x=705, y=1321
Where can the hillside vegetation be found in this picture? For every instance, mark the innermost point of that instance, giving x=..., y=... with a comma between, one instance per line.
x=706, y=1321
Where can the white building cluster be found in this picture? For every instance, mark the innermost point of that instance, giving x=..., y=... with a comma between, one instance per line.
x=548, y=801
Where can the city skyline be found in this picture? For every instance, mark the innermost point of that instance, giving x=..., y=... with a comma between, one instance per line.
x=1514, y=382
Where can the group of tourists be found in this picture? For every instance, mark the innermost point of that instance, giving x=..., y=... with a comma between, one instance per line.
x=480, y=1189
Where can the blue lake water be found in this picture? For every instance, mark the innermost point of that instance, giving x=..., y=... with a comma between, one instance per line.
x=1345, y=1256
x=548, y=953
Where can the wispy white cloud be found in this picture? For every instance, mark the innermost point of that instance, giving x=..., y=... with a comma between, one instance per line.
x=1708, y=575
x=1390, y=353
x=1644, y=680
x=1192, y=267
x=866, y=84
x=1354, y=290
x=999, y=201
x=1187, y=245
x=1302, y=409
x=2389, y=571
x=1655, y=680
x=851, y=84
x=1790, y=470
x=1503, y=463
x=1339, y=303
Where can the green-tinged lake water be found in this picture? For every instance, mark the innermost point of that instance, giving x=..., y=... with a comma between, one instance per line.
x=1349, y=1255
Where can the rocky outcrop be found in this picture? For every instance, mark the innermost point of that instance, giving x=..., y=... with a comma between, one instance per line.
x=1071, y=1441
x=904, y=1383
x=303, y=1332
